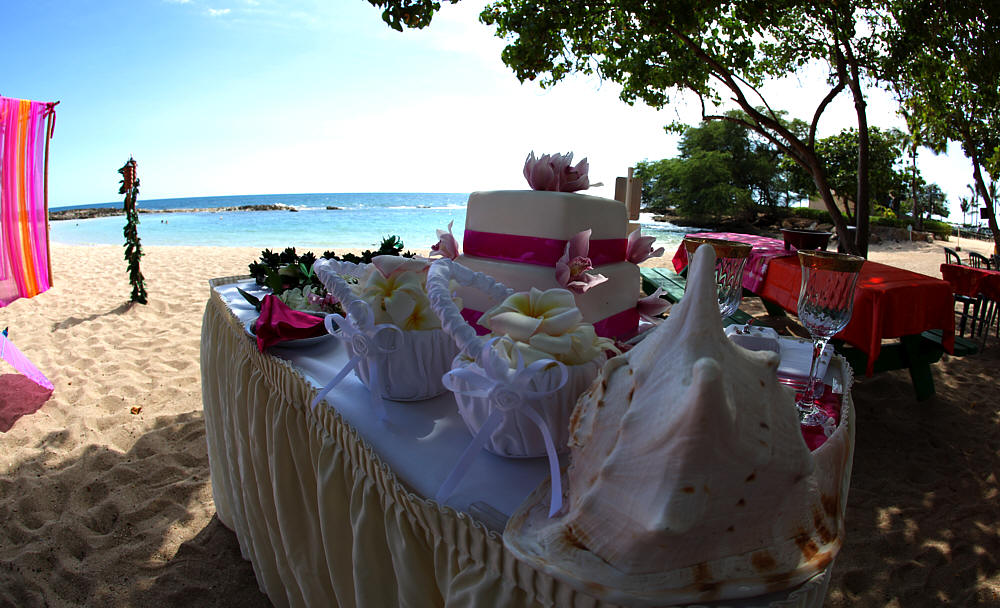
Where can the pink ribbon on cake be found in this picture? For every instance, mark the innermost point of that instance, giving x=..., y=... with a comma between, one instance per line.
x=619, y=324
x=537, y=250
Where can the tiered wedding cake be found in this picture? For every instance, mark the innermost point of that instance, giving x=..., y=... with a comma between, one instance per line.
x=518, y=236
x=539, y=238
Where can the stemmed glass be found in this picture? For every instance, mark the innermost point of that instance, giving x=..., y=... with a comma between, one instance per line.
x=826, y=300
x=730, y=258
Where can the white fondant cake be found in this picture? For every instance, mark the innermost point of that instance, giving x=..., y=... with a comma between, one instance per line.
x=517, y=236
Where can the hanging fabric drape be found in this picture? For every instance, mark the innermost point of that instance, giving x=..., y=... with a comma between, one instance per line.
x=25, y=129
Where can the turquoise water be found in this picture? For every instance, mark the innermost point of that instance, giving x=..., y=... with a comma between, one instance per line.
x=361, y=222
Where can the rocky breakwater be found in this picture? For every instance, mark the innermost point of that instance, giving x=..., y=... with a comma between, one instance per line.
x=92, y=212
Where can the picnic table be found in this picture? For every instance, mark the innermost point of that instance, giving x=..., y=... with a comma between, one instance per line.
x=333, y=505
x=889, y=303
x=970, y=281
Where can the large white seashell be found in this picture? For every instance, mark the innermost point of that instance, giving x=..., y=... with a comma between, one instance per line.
x=689, y=479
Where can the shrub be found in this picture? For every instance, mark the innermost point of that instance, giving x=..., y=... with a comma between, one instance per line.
x=819, y=215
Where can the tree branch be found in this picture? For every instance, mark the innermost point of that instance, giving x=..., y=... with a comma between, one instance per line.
x=841, y=83
x=782, y=146
x=759, y=96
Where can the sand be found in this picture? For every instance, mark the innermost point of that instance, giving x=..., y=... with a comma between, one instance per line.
x=105, y=498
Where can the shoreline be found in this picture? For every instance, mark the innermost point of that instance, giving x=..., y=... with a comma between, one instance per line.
x=92, y=212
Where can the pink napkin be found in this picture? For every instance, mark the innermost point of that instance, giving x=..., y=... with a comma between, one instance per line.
x=278, y=322
x=19, y=396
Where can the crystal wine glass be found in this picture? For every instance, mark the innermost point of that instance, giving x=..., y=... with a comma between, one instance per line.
x=826, y=300
x=730, y=258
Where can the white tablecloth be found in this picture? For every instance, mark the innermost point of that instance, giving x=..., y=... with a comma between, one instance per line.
x=330, y=504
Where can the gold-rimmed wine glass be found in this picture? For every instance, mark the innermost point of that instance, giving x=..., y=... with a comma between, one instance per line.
x=826, y=300
x=730, y=259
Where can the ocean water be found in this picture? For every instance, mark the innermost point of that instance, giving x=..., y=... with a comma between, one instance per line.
x=362, y=221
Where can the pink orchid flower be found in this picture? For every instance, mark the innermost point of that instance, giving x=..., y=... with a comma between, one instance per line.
x=572, y=267
x=539, y=172
x=325, y=303
x=652, y=306
x=640, y=248
x=574, y=178
x=555, y=172
x=446, y=246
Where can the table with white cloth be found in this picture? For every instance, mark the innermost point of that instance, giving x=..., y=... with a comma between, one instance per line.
x=331, y=504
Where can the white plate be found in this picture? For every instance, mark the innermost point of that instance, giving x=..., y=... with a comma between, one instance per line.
x=796, y=357
x=286, y=343
x=754, y=337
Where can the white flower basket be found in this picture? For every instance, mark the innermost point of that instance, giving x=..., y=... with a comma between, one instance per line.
x=516, y=436
x=413, y=373
x=413, y=369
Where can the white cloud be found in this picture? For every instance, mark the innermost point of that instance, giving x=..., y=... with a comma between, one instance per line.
x=218, y=12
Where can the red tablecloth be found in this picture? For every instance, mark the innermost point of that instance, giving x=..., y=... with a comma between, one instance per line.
x=764, y=250
x=889, y=302
x=969, y=281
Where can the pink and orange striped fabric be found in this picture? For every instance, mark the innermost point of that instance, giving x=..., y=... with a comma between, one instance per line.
x=25, y=127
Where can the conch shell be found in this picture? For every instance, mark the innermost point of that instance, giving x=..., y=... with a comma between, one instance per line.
x=689, y=479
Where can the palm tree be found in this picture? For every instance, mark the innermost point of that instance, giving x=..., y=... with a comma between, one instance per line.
x=917, y=137
x=965, y=204
x=911, y=141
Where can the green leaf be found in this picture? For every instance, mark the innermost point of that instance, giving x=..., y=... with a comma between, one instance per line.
x=254, y=301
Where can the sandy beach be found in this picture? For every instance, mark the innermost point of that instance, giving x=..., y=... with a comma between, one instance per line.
x=105, y=497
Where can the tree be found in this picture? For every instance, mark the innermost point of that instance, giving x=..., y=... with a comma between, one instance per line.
x=929, y=200
x=660, y=183
x=133, y=246
x=722, y=170
x=730, y=46
x=700, y=185
x=966, y=205
x=840, y=155
x=943, y=60
x=917, y=137
x=410, y=13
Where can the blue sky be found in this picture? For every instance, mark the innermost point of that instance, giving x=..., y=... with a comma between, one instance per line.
x=223, y=97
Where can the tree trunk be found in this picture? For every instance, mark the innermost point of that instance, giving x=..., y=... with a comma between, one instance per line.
x=844, y=237
x=918, y=212
x=988, y=201
x=862, y=211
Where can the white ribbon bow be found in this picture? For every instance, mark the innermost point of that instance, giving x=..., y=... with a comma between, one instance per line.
x=508, y=390
x=370, y=342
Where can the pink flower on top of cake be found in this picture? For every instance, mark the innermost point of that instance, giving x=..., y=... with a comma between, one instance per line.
x=555, y=172
x=640, y=248
x=572, y=267
x=446, y=246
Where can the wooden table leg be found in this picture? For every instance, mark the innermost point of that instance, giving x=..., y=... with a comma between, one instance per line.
x=773, y=309
x=913, y=353
x=919, y=366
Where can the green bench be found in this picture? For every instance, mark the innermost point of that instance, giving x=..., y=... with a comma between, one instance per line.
x=665, y=278
x=914, y=353
x=673, y=290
